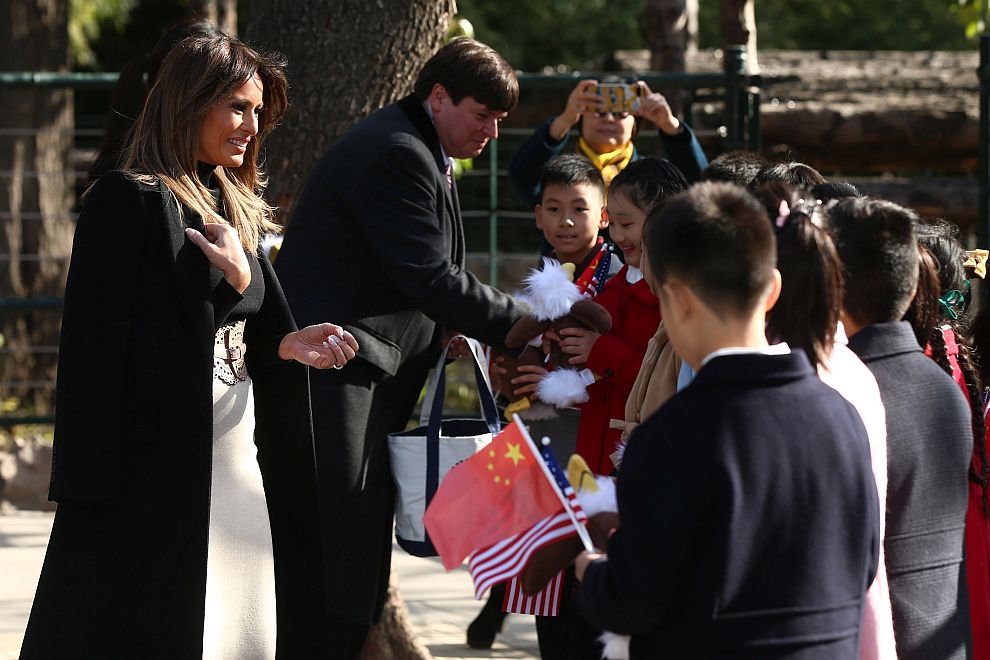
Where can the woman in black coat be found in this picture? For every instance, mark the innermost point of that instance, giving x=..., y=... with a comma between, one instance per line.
x=187, y=523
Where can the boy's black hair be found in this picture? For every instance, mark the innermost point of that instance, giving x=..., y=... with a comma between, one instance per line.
x=794, y=173
x=879, y=253
x=738, y=167
x=571, y=170
x=830, y=190
x=714, y=237
x=466, y=67
x=648, y=182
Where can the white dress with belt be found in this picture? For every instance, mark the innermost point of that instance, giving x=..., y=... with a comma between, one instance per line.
x=239, y=622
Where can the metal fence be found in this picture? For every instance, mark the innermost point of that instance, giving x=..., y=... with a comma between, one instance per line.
x=491, y=213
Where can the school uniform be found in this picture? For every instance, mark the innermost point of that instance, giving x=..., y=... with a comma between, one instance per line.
x=750, y=520
x=615, y=359
x=929, y=446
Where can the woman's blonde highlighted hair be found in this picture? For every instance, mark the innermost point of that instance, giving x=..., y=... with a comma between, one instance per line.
x=198, y=74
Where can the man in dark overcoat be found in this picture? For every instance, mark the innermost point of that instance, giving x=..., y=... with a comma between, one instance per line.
x=929, y=436
x=376, y=242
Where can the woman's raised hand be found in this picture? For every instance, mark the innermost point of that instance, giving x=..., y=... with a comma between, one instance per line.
x=655, y=108
x=583, y=98
x=222, y=246
x=320, y=346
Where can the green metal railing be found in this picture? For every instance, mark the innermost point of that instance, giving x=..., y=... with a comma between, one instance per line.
x=55, y=79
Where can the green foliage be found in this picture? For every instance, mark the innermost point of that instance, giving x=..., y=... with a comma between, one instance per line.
x=532, y=35
x=973, y=14
x=858, y=25
x=88, y=20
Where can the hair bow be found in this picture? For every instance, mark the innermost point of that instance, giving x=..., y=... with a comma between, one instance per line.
x=953, y=302
x=783, y=213
x=976, y=263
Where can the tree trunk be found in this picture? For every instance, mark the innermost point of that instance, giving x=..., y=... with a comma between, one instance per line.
x=36, y=194
x=393, y=637
x=738, y=19
x=222, y=13
x=346, y=59
x=671, y=33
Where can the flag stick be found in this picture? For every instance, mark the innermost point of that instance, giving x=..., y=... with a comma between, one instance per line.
x=581, y=530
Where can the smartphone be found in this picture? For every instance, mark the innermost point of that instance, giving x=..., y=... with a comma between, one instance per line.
x=619, y=97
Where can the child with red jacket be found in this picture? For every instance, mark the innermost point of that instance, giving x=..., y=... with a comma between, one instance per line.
x=615, y=357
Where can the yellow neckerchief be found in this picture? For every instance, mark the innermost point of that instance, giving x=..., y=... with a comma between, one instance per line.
x=609, y=163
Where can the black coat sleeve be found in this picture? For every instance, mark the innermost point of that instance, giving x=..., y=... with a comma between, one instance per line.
x=684, y=151
x=641, y=582
x=284, y=436
x=89, y=397
x=401, y=213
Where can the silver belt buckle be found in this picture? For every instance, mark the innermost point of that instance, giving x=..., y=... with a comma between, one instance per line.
x=234, y=353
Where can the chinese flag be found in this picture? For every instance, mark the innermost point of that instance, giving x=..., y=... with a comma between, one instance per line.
x=500, y=491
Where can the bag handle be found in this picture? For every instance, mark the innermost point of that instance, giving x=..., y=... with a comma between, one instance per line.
x=431, y=414
x=433, y=407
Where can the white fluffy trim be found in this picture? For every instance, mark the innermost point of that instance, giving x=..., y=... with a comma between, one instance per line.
x=603, y=500
x=550, y=291
x=616, y=456
x=616, y=647
x=563, y=388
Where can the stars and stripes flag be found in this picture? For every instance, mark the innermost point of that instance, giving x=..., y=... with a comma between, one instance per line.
x=506, y=560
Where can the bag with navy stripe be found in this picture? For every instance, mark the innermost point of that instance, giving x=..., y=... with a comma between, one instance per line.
x=421, y=457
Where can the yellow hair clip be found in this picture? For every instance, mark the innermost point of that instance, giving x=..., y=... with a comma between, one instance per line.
x=976, y=261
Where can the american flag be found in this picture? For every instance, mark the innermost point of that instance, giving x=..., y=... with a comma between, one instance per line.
x=506, y=559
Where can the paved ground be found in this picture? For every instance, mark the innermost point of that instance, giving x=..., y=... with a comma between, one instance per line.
x=440, y=604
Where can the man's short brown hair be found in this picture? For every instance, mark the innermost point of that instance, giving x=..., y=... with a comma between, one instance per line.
x=466, y=67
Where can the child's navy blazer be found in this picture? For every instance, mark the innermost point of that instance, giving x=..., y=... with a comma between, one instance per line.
x=750, y=521
x=929, y=445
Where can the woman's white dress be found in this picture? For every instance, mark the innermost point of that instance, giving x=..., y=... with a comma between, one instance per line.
x=239, y=622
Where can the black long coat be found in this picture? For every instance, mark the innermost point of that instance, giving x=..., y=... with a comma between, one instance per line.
x=125, y=573
x=929, y=446
x=376, y=242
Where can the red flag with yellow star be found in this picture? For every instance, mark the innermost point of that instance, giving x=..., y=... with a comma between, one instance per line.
x=500, y=491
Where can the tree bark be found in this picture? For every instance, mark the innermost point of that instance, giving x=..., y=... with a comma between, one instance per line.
x=393, y=637
x=222, y=13
x=36, y=193
x=346, y=59
x=738, y=19
x=671, y=33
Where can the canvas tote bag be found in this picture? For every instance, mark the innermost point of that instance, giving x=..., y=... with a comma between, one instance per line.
x=421, y=457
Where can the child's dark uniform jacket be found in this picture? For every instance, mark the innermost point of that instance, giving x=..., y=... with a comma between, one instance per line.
x=750, y=521
x=615, y=358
